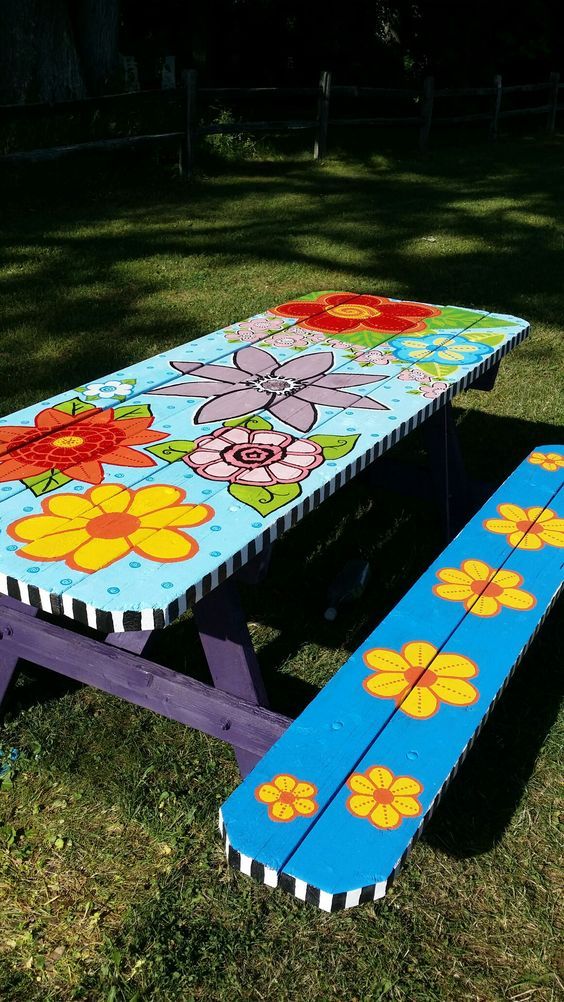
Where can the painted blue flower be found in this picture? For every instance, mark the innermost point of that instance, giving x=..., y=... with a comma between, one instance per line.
x=451, y=350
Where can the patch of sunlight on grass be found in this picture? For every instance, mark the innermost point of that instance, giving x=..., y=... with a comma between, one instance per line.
x=70, y=869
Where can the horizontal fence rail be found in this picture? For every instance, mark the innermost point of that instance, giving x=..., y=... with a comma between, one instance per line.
x=420, y=112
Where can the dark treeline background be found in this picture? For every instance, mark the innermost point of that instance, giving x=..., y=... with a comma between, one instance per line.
x=59, y=49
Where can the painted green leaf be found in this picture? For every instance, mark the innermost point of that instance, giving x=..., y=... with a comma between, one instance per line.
x=335, y=446
x=437, y=369
x=132, y=411
x=265, y=499
x=173, y=450
x=43, y=483
x=74, y=406
x=484, y=337
x=252, y=421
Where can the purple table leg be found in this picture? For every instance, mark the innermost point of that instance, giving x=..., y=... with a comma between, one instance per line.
x=453, y=489
x=134, y=642
x=9, y=662
x=229, y=652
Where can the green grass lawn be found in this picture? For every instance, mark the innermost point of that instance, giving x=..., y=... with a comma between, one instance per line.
x=113, y=884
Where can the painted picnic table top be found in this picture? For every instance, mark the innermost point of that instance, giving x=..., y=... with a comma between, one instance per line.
x=123, y=501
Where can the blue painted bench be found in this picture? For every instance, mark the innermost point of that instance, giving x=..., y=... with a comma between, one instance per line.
x=333, y=808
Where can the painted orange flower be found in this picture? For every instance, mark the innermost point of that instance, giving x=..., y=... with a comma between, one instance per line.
x=550, y=461
x=482, y=589
x=92, y=530
x=527, y=528
x=384, y=799
x=77, y=449
x=343, y=312
x=287, y=797
x=420, y=678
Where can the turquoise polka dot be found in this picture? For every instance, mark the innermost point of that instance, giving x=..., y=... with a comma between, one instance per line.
x=215, y=553
x=66, y=581
x=134, y=563
x=216, y=528
x=28, y=508
x=6, y=488
x=166, y=584
x=188, y=476
x=395, y=400
x=331, y=464
x=351, y=429
x=348, y=412
x=78, y=488
x=170, y=407
x=206, y=492
x=33, y=570
x=392, y=418
x=113, y=591
x=119, y=476
x=11, y=547
x=257, y=525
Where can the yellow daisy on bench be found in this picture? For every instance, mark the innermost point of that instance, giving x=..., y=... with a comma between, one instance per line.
x=419, y=679
x=482, y=589
x=527, y=528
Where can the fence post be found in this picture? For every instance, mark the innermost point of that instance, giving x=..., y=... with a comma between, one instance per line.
x=497, y=106
x=551, y=122
x=426, y=112
x=320, y=145
x=188, y=152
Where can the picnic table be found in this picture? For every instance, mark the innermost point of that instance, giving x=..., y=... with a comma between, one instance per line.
x=127, y=500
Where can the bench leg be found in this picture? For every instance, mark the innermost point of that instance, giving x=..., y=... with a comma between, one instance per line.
x=452, y=487
x=229, y=652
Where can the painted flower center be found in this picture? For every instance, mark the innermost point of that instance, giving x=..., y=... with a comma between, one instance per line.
x=113, y=526
x=490, y=591
x=383, y=796
x=250, y=456
x=352, y=311
x=286, y=798
x=412, y=675
x=68, y=441
x=526, y=526
x=273, y=385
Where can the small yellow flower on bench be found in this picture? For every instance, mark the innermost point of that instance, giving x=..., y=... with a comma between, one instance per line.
x=384, y=799
x=419, y=679
x=287, y=797
x=482, y=589
x=550, y=461
x=527, y=528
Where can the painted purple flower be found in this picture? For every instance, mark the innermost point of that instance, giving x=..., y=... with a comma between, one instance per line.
x=257, y=383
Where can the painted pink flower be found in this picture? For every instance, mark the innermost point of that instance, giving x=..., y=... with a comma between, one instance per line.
x=257, y=382
x=374, y=357
x=292, y=338
x=255, y=330
x=254, y=458
x=435, y=390
x=415, y=375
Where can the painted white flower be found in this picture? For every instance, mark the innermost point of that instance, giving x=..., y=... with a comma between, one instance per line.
x=107, y=390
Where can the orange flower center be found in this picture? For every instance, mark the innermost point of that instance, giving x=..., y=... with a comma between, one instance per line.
x=113, y=526
x=526, y=526
x=491, y=590
x=383, y=796
x=68, y=441
x=350, y=311
x=286, y=798
x=412, y=677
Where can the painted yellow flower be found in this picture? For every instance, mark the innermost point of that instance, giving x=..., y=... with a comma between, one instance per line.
x=287, y=797
x=419, y=679
x=92, y=530
x=550, y=461
x=384, y=799
x=482, y=589
x=527, y=528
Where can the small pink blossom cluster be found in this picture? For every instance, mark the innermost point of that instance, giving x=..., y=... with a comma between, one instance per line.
x=254, y=330
x=430, y=389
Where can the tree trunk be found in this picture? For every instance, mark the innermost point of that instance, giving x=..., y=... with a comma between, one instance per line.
x=97, y=28
x=38, y=58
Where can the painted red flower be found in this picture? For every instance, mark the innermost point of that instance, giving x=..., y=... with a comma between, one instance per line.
x=77, y=449
x=339, y=313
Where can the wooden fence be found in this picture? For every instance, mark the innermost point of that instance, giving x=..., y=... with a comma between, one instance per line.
x=420, y=112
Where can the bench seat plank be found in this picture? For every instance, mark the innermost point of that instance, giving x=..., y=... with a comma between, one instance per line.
x=347, y=858
x=326, y=741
